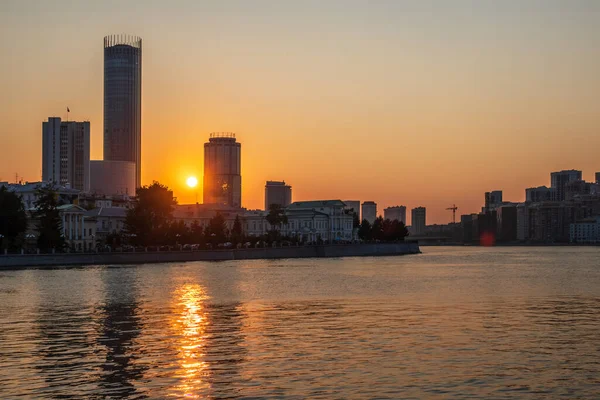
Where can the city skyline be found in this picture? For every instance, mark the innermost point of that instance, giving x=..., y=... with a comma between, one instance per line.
x=456, y=133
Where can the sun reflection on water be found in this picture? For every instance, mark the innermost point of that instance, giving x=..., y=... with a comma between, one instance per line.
x=189, y=324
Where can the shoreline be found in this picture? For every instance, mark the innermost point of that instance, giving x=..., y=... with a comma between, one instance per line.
x=13, y=261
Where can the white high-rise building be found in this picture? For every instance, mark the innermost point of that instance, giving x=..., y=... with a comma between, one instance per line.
x=66, y=153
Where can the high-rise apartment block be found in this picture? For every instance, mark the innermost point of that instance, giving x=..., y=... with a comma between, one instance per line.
x=369, y=211
x=277, y=193
x=559, y=181
x=66, y=153
x=222, y=170
x=395, y=213
x=123, y=100
x=493, y=200
x=541, y=193
x=418, y=220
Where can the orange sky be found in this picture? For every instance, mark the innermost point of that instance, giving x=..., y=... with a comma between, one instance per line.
x=429, y=104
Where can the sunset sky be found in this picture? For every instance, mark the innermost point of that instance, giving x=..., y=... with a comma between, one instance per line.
x=420, y=103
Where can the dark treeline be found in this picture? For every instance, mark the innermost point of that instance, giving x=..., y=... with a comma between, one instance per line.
x=383, y=230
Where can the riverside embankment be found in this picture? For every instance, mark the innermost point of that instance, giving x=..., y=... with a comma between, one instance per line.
x=65, y=259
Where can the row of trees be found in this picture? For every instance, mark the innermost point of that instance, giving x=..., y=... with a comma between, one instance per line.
x=150, y=222
x=383, y=230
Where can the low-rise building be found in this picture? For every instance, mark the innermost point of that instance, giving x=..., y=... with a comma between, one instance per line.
x=109, y=220
x=28, y=192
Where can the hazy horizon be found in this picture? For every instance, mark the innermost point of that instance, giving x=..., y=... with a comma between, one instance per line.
x=399, y=102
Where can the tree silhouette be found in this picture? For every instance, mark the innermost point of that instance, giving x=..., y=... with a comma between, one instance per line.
x=49, y=227
x=13, y=219
x=364, y=231
x=237, y=232
x=149, y=220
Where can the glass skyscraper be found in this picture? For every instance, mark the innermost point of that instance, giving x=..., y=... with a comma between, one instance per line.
x=123, y=100
x=222, y=167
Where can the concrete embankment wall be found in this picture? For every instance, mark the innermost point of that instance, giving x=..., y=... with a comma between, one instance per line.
x=354, y=250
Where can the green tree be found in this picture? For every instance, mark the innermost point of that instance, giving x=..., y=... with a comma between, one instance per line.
x=216, y=231
x=196, y=233
x=377, y=229
x=237, y=232
x=151, y=216
x=49, y=223
x=400, y=230
x=355, y=220
x=178, y=233
x=13, y=219
x=364, y=231
x=276, y=217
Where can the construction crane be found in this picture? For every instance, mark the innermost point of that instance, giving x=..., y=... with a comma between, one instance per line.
x=453, y=208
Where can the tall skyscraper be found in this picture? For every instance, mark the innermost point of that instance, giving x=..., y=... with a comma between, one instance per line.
x=418, y=220
x=222, y=167
x=66, y=153
x=560, y=179
x=277, y=193
x=369, y=211
x=395, y=213
x=123, y=100
x=598, y=177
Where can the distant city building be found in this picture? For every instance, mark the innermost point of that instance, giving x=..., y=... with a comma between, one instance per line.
x=598, y=178
x=577, y=188
x=28, y=192
x=493, y=199
x=353, y=205
x=418, y=220
x=395, y=213
x=369, y=211
x=560, y=179
x=506, y=223
x=123, y=101
x=277, y=193
x=66, y=153
x=112, y=177
x=222, y=166
x=541, y=193
x=586, y=231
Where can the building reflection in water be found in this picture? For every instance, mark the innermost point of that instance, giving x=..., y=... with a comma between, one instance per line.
x=120, y=326
x=189, y=324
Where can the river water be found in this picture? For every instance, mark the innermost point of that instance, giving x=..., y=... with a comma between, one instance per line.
x=451, y=322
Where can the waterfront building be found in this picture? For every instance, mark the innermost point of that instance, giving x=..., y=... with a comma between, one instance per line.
x=523, y=222
x=109, y=220
x=66, y=153
x=277, y=193
x=586, y=231
x=311, y=221
x=353, y=206
x=418, y=220
x=397, y=213
x=369, y=211
x=222, y=170
x=90, y=201
x=541, y=193
x=560, y=179
x=123, y=101
x=112, y=177
x=28, y=192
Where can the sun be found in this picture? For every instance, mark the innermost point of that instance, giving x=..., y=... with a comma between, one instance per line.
x=192, y=181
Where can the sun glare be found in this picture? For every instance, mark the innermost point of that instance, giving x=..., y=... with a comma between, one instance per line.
x=192, y=181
